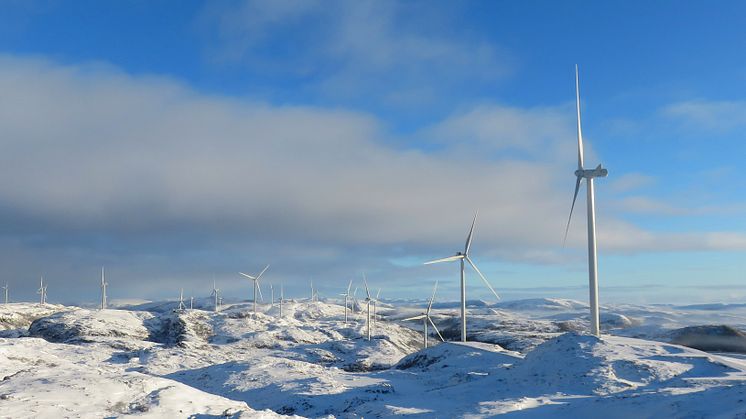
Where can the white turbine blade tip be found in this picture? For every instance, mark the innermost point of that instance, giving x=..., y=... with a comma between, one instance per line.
x=448, y=259
x=483, y=278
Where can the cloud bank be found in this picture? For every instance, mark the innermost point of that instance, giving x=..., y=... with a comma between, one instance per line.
x=167, y=185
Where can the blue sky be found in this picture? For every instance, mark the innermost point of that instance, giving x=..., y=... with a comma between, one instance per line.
x=173, y=141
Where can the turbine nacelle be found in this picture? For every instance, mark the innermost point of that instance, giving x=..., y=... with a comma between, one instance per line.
x=599, y=171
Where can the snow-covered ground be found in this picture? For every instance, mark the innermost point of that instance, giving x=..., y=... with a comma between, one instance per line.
x=528, y=357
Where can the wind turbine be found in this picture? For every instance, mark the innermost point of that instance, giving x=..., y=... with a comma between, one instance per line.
x=375, y=303
x=347, y=296
x=103, y=289
x=272, y=294
x=5, y=291
x=282, y=297
x=464, y=256
x=426, y=318
x=368, y=300
x=215, y=293
x=42, y=291
x=182, y=306
x=314, y=293
x=587, y=174
x=353, y=306
x=191, y=303
x=256, y=285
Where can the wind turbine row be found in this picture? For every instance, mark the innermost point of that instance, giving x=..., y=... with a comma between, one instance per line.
x=581, y=173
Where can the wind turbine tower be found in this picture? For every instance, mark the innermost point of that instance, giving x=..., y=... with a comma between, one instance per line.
x=215, y=293
x=182, y=306
x=6, y=288
x=346, y=295
x=369, y=300
x=103, y=289
x=42, y=291
x=461, y=257
x=282, y=297
x=375, y=304
x=588, y=174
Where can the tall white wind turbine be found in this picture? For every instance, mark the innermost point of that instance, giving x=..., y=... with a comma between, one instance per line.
x=103, y=289
x=354, y=303
x=426, y=318
x=272, y=295
x=369, y=300
x=215, y=293
x=464, y=256
x=42, y=291
x=375, y=304
x=256, y=285
x=182, y=306
x=587, y=174
x=346, y=295
x=282, y=297
x=6, y=289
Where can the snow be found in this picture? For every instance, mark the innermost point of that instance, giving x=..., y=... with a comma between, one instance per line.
x=527, y=357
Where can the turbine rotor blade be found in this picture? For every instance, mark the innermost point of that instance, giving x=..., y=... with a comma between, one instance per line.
x=420, y=317
x=580, y=131
x=349, y=286
x=448, y=259
x=259, y=288
x=482, y=276
x=262, y=272
x=367, y=291
x=430, y=305
x=572, y=207
x=471, y=234
x=436, y=328
x=247, y=275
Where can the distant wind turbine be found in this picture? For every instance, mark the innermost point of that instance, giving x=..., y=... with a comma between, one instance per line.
x=464, y=256
x=272, y=295
x=368, y=300
x=256, y=285
x=282, y=297
x=103, y=289
x=375, y=304
x=215, y=293
x=587, y=174
x=346, y=295
x=426, y=318
x=182, y=306
x=354, y=302
x=42, y=291
x=6, y=288
x=314, y=293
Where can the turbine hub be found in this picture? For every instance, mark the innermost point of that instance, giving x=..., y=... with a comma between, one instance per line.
x=592, y=173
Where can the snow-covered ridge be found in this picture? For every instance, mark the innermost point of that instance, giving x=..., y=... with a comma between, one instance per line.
x=527, y=356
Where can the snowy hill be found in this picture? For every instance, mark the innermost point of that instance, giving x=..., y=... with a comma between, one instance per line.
x=527, y=358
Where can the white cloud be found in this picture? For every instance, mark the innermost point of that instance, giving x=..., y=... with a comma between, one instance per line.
x=101, y=165
x=720, y=116
x=399, y=53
